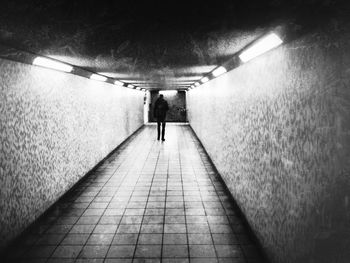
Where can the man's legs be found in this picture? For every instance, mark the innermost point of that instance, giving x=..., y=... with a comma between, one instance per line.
x=163, y=130
x=158, y=129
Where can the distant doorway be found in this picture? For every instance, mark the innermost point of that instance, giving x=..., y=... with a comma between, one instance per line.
x=177, y=105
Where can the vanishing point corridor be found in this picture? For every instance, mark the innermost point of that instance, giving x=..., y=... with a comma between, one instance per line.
x=148, y=202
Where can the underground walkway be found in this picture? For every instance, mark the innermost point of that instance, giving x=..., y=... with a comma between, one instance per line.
x=148, y=202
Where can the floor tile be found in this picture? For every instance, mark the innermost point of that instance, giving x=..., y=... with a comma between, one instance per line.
x=150, y=239
x=59, y=229
x=124, y=229
x=158, y=228
x=126, y=251
x=175, y=219
x=174, y=239
x=147, y=200
x=125, y=239
x=130, y=220
x=100, y=239
x=200, y=239
x=110, y=220
x=75, y=239
x=153, y=219
x=105, y=229
x=67, y=251
x=174, y=251
x=94, y=251
x=148, y=251
x=82, y=229
x=88, y=220
x=175, y=260
x=202, y=251
x=50, y=239
x=174, y=228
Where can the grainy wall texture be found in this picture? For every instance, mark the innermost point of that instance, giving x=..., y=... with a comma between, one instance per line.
x=278, y=130
x=54, y=128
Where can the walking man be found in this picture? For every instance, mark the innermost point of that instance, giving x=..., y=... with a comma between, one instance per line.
x=159, y=112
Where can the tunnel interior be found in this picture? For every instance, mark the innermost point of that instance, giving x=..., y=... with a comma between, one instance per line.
x=265, y=140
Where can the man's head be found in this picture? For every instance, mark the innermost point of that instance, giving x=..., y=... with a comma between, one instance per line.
x=161, y=96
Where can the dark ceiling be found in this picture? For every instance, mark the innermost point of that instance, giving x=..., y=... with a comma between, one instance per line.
x=154, y=44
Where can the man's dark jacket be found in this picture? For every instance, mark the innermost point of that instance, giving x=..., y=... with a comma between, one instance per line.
x=160, y=109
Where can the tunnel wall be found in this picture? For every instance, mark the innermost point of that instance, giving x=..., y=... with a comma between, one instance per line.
x=278, y=130
x=54, y=128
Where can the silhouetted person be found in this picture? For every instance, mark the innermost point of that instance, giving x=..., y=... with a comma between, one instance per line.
x=159, y=112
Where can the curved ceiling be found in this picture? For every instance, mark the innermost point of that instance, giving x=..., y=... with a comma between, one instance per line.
x=153, y=44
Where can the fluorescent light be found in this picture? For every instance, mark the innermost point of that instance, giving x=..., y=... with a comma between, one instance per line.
x=168, y=92
x=197, y=84
x=138, y=88
x=52, y=64
x=130, y=86
x=205, y=79
x=119, y=83
x=265, y=44
x=218, y=71
x=98, y=77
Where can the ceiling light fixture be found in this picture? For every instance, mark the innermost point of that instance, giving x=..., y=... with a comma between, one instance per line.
x=197, y=84
x=52, y=64
x=98, y=77
x=205, y=79
x=130, y=86
x=119, y=83
x=261, y=46
x=219, y=71
x=168, y=92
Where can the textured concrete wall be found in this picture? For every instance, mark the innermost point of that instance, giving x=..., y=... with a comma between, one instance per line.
x=54, y=127
x=278, y=130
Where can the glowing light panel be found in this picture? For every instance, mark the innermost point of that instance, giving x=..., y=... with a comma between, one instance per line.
x=168, y=92
x=196, y=84
x=119, y=83
x=205, y=79
x=52, y=64
x=98, y=77
x=219, y=71
x=130, y=86
x=265, y=44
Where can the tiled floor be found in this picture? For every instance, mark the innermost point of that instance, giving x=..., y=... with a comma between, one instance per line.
x=149, y=202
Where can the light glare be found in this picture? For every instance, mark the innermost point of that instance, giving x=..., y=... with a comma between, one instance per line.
x=265, y=44
x=196, y=84
x=52, y=64
x=220, y=70
x=205, y=79
x=168, y=92
x=119, y=83
x=98, y=77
